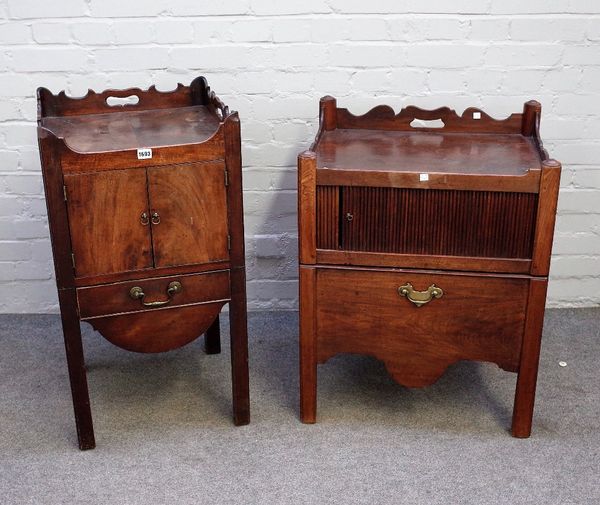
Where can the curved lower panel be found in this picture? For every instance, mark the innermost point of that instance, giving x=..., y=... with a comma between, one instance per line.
x=410, y=373
x=414, y=372
x=417, y=374
x=158, y=330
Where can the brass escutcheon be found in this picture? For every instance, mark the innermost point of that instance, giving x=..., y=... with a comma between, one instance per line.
x=137, y=293
x=420, y=298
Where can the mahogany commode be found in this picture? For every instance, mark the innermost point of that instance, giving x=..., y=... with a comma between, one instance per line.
x=145, y=211
x=423, y=246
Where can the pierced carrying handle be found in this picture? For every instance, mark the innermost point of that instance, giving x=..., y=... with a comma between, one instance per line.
x=116, y=98
x=125, y=101
x=413, y=112
x=420, y=298
x=121, y=93
x=137, y=293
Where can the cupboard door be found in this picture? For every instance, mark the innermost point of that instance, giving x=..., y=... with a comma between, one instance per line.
x=188, y=206
x=108, y=233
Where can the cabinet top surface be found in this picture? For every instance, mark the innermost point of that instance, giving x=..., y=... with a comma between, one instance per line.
x=402, y=151
x=93, y=133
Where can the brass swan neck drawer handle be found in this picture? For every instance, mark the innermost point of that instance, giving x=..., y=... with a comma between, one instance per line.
x=137, y=293
x=420, y=298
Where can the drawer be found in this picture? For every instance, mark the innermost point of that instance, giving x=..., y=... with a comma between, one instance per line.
x=472, y=317
x=155, y=293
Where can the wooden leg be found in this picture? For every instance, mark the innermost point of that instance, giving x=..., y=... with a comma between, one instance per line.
x=76, y=365
x=212, y=338
x=239, y=347
x=308, y=358
x=530, y=356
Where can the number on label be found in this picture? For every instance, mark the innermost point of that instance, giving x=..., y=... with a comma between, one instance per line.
x=144, y=154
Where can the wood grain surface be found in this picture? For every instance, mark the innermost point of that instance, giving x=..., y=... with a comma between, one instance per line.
x=546, y=217
x=96, y=133
x=190, y=200
x=422, y=152
x=106, y=231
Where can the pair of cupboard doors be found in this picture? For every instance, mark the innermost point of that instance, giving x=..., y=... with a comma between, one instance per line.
x=141, y=218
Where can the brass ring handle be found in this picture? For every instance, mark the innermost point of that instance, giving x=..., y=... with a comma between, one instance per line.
x=137, y=293
x=144, y=219
x=420, y=298
x=155, y=218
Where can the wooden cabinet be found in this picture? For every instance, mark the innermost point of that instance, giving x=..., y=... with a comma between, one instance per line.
x=424, y=246
x=182, y=209
x=145, y=211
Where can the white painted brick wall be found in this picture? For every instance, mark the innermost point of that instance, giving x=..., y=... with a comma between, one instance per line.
x=272, y=61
